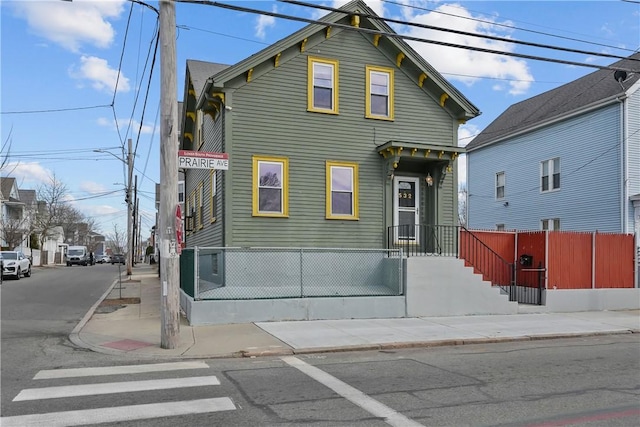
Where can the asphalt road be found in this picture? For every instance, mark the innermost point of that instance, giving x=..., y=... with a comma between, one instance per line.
x=38, y=313
x=46, y=380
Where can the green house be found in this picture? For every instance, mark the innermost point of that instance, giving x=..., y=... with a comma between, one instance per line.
x=334, y=135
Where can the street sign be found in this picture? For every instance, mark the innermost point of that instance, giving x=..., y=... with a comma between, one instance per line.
x=188, y=159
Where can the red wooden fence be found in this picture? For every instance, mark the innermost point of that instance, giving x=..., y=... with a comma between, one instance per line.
x=572, y=260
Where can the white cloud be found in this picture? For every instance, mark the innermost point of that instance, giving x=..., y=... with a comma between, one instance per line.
x=469, y=64
x=27, y=172
x=92, y=187
x=72, y=24
x=127, y=125
x=263, y=22
x=102, y=77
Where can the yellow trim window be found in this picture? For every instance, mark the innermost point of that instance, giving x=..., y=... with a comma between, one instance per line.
x=212, y=200
x=342, y=190
x=322, y=89
x=379, y=102
x=270, y=186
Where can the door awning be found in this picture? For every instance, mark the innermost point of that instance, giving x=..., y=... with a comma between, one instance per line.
x=399, y=149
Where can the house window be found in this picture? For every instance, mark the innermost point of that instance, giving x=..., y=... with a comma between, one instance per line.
x=270, y=186
x=499, y=227
x=200, y=202
x=193, y=213
x=500, y=185
x=212, y=200
x=550, y=174
x=322, y=88
x=379, y=103
x=550, y=224
x=180, y=191
x=342, y=190
x=187, y=216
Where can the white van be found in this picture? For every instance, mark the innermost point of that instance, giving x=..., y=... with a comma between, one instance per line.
x=77, y=255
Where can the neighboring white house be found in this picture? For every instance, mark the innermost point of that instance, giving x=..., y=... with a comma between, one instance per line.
x=15, y=228
x=566, y=159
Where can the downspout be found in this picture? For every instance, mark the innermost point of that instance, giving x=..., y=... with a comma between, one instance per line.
x=624, y=223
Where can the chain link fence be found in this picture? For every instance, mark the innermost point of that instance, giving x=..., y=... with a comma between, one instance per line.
x=271, y=273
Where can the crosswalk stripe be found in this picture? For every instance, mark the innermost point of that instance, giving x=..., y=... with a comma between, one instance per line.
x=121, y=413
x=117, y=387
x=352, y=394
x=118, y=370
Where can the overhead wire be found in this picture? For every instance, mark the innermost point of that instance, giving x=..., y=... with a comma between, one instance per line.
x=497, y=24
x=400, y=36
x=453, y=31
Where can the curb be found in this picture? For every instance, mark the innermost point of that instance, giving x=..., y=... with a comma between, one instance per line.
x=424, y=344
x=74, y=336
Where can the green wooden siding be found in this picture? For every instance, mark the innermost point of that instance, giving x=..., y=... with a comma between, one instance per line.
x=269, y=117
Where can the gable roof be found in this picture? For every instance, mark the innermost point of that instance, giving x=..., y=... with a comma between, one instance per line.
x=434, y=82
x=593, y=90
x=200, y=71
x=28, y=197
x=6, y=185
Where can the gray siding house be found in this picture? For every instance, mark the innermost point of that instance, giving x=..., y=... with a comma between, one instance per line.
x=566, y=159
x=335, y=134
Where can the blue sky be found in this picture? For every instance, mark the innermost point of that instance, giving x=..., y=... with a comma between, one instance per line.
x=59, y=55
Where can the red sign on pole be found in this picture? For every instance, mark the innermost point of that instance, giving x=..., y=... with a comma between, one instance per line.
x=178, y=229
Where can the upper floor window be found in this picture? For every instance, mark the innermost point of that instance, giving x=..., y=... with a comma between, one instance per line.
x=550, y=224
x=379, y=102
x=322, y=87
x=500, y=185
x=342, y=190
x=270, y=186
x=550, y=174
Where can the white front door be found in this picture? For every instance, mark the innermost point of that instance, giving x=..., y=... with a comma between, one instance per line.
x=406, y=216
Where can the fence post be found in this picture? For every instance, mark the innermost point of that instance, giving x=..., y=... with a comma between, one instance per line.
x=196, y=274
x=539, y=282
x=301, y=275
x=593, y=260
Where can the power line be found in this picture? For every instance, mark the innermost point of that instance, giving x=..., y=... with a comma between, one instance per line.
x=505, y=25
x=399, y=36
x=459, y=32
x=56, y=110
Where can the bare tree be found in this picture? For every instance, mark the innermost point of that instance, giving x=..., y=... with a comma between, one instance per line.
x=51, y=203
x=117, y=240
x=13, y=231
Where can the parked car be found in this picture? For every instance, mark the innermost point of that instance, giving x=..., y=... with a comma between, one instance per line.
x=117, y=258
x=15, y=263
x=104, y=259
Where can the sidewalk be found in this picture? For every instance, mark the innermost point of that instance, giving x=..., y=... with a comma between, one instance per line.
x=126, y=320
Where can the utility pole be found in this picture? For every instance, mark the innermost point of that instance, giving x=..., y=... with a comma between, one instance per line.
x=135, y=221
x=169, y=258
x=129, y=211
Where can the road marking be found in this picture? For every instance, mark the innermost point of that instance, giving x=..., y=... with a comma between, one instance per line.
x=108, y=388
x=118, y=370
x=352, y=394
x=120, y=413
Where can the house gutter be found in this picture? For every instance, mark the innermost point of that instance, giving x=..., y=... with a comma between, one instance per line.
x=586, y=109
x=203, y=96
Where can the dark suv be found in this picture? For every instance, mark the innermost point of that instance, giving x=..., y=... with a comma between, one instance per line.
x=117, y=258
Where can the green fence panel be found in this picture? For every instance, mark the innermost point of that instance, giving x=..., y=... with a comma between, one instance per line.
x=187, y=273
